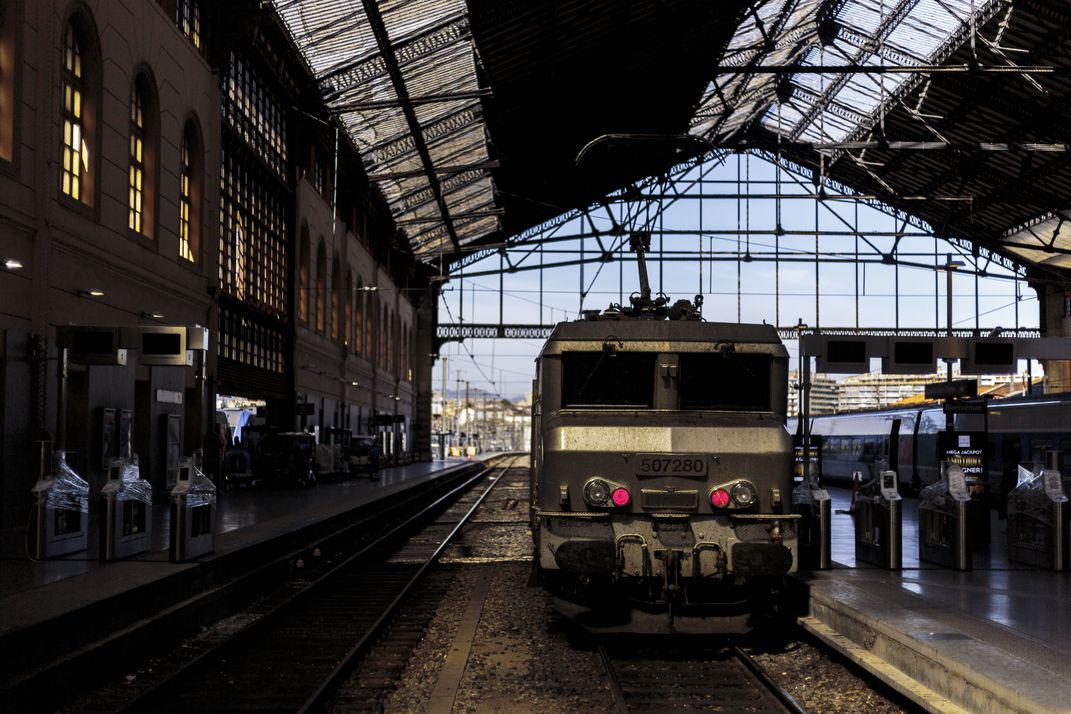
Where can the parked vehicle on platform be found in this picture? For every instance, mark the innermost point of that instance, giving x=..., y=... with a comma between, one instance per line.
x=1018, y=430
x=238, y=467
x=364, y=455
x=286, y=458
x=661, y=471
x=333, y=453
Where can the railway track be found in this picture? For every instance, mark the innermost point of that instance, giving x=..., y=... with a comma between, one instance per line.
x=294, y=656
x=691, y=679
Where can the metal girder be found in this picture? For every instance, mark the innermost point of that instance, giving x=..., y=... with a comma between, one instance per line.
x=889, y=22
x=796, y=36
x=386, y=50
x=339, y=80
x=454, y=332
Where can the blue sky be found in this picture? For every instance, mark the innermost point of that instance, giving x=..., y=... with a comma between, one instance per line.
x=756, y=291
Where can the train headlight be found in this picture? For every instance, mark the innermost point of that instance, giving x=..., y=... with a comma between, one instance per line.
x=743, y=494
x=621, y=497
x=596, y=492
x=719, y=498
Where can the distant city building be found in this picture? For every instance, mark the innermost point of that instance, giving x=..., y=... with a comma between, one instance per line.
x=874, y=390
x=824, y=391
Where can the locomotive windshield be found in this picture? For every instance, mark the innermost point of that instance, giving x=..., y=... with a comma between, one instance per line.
x=733, y=381
x=597, y=380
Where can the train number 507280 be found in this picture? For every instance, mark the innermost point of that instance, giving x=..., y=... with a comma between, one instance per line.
x=671, y=465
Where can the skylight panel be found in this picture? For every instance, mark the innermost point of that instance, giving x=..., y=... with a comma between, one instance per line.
x=430, y=43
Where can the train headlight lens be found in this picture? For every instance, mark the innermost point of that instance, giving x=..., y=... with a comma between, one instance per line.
x=743, y=494
x=621, y=497
x=596, y=492
x=719, y=498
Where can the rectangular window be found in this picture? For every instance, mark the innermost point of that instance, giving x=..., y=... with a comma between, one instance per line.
x=252, y=235
x=729, y=382
x=600, y=380
x=188, y=19
x=250, y=342
x=252, y=112
x=75, y=163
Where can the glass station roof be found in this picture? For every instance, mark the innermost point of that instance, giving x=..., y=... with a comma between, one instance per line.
x=826, y=107
x=402, y=77
x=1044, y=242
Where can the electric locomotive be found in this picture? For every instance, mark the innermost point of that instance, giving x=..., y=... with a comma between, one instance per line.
x=661, y=472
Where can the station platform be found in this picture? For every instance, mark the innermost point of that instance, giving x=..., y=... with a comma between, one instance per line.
x=993, y=639
x=53, y=609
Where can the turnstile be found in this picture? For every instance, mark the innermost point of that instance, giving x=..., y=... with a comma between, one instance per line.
x=879, y=522
x=943, y=520
x=815, y=537
x=1038, y=519
x=193, y=513
x=61, y=506
x=126, y=511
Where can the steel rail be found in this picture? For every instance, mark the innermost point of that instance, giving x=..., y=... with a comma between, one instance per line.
x=615, y=682
x=758, y=677
x=147, y=699
x=776, y=689
x=318, y=698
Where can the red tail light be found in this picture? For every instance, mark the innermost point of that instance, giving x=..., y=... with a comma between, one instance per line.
x=719, y=498
x=621, y=497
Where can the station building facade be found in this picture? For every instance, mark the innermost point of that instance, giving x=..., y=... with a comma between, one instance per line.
x=171, y=162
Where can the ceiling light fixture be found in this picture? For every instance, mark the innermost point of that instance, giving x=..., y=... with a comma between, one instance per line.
x=12, y=263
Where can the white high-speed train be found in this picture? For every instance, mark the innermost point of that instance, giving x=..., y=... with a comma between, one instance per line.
x=1019, y=430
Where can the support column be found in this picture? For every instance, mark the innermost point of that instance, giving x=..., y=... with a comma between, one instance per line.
x=427, y=322
x=1054, y=304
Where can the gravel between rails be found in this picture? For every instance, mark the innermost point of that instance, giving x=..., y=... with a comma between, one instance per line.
x=526, y=658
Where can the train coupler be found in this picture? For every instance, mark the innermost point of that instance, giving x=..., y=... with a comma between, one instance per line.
x=671, y=567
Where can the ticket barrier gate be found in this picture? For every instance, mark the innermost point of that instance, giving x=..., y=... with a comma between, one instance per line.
x=815, y=537
x=193, y=513
x=943, y=520
x=61, y=506
x=126, y=511
x=879, y=522
x=1038, y=520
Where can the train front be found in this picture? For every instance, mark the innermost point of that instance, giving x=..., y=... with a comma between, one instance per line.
x=661, y=474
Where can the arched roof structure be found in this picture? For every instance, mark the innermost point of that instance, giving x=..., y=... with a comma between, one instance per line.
x=480, y=119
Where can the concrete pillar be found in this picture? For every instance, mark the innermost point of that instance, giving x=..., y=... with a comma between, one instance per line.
x=1054, y=301
x=427, y=323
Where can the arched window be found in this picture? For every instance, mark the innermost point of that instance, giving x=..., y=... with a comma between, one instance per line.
x=407, y=347
x=358, y=318
x=396, y=343
x=79, y=83
x=347, y=308
x=371, y=340
x=190, y=171
x=336, y=298
x=303, y=276
x=384, y=339
x=141, y=201
x=321, y=288
x=7, y=81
